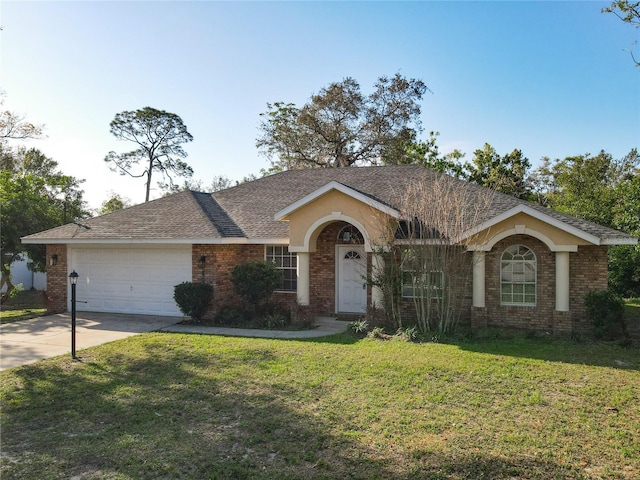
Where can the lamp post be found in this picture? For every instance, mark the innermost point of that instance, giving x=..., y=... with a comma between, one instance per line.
x=73, y=278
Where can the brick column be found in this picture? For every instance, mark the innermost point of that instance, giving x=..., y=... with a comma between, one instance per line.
x=57, y=281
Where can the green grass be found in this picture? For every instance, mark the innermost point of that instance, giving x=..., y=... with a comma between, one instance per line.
x=26, y=304
x=166, y=406
x=635, y=302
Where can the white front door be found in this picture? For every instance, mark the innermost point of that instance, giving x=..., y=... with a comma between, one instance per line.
x=351, y=279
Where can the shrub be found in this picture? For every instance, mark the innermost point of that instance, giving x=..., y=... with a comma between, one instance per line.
x=605, y=311
x=255, y=281
x=275, y=321
x=302, y=317
x=231, y=317
x=16, y=290
x=193, y=299
x=273, y=317
x=378, y=332
x=407, y=334
x=359, y=326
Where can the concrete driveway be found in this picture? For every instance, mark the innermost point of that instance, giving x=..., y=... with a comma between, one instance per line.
x=27, y=341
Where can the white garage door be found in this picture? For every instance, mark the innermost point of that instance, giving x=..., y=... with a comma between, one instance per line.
x=130, y=280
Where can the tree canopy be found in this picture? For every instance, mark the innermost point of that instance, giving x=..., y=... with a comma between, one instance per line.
x=605, y=190
x=158, y=136
x=628, y=12
x=114, y=203
x=588, y=186
x=340, y=126
x=35, y=196
x=502, y=173
x=16, y=127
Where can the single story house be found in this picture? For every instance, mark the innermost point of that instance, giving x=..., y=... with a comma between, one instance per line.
x=323, y=228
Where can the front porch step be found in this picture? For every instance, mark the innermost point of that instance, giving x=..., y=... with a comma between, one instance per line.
x=349, y=317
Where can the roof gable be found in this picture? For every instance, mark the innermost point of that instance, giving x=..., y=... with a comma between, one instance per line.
x=337, y=186
x=523, y=208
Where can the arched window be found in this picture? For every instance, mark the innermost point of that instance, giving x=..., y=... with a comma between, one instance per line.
x=518, y=276
x=350, y=234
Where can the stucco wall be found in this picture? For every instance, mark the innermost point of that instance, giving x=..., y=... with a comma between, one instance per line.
x=373, y=221
x=522, y=220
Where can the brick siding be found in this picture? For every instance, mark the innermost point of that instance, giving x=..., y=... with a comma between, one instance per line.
x=538, y=317
x=462, y=298
x=220, y=261
x=57, y=279
x=588, y=271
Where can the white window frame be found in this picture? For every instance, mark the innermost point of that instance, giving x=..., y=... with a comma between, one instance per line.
x=285, y=261
x=520, y=289
x=413, y=282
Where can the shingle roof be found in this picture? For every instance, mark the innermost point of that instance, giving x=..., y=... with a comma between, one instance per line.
x=175, y=216
x=247, y=210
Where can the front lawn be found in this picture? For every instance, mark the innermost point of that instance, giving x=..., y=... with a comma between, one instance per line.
x=26, y=304
x=167, y=406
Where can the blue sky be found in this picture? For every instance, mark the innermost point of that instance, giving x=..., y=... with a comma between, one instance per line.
x=550, y=78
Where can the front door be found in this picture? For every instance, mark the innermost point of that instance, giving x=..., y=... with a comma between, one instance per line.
x=351, y=279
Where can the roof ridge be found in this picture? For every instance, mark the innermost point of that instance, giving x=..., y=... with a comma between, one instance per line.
x=218, y=217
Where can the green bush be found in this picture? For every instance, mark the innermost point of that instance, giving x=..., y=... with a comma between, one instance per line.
x=273, y=317
x=255, y=281
x=275, y=321
x=232, y=317
x=624, y=270
x=408, y=334
x=193, y=299
x=605, y=311
x=359, y=327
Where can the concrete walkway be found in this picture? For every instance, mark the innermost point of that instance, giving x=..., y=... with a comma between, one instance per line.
x=28, y=341
x=324, y=326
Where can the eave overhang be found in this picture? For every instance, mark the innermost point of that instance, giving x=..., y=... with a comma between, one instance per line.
x=157, y=241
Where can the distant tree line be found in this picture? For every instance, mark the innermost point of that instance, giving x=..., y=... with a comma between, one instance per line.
x=34, y=194
x=342, y=127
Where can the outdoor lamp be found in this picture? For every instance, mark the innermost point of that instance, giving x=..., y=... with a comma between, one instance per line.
x=202, y=261
x=54, y=259
x=73, y=278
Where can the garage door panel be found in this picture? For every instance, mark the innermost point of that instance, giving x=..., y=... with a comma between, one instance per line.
x=121, y=280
